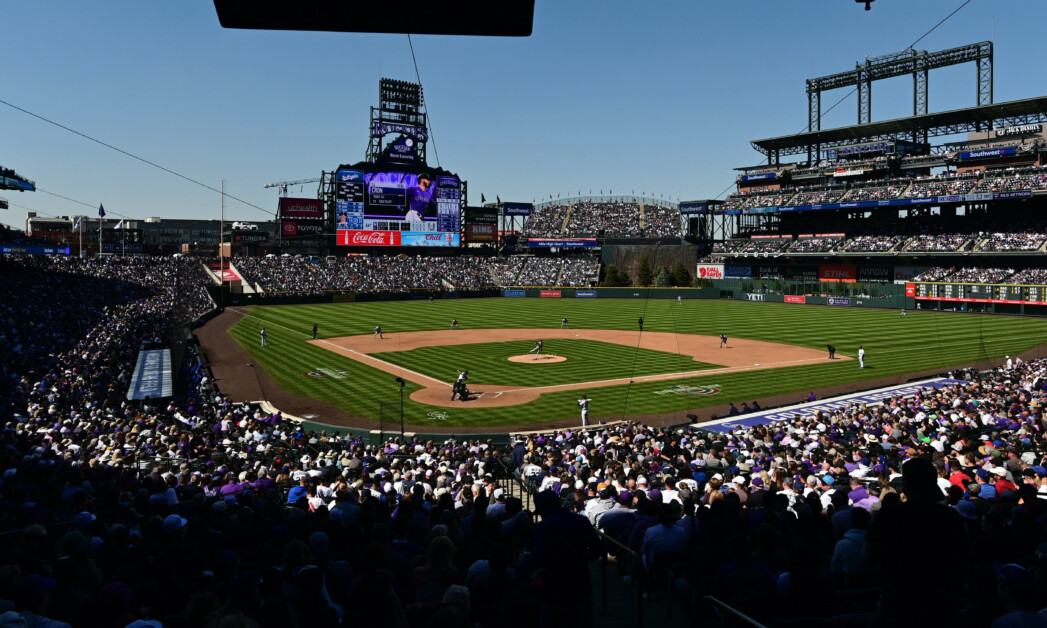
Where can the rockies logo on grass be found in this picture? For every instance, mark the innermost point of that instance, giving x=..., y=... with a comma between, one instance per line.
x=438, y=416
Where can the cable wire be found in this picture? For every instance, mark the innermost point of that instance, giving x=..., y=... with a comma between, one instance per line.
x=132, y=156
x=909, y=47
x=428, y=118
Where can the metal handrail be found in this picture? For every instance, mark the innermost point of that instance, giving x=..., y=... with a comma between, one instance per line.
x=733, y=611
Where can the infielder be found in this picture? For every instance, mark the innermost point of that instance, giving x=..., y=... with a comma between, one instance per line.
x=537, y=349
x=723, y=341
x=640, y=323
x=315, y=329
x=861, y=356
x=454, y=323
x=832, y=351
x=378, y=333
x=563, y=324
x=583, y=403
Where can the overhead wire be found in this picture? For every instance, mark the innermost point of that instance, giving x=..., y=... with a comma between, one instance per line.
x=132, y=156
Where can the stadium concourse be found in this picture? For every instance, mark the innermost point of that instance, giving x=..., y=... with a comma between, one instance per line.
x=200, y=512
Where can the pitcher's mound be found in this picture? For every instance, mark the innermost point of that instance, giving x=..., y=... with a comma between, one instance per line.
x=542, y=359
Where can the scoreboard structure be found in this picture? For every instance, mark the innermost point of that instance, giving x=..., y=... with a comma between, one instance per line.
x=977, y=293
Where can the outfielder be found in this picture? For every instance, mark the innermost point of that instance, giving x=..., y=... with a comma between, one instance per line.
x=537, y=349
x=583, y=403
x=264, y=338
x=861, y=356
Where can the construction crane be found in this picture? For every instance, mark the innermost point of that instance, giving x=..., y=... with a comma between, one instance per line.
x=283, y=185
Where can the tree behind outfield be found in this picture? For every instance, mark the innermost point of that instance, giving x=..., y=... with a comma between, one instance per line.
x=644, y=274
x=681, y=276
x=664, y=278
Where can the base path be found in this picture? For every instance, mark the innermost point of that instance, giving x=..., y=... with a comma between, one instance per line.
x=740, y=355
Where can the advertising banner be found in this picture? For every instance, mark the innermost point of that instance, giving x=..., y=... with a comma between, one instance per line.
x=694, y=207
x=790, y=298
x=414, y=238
x=752, y=296
x=350, y=237
x=297, y=228
x=516, y=293
x=152, y=375
x=989, y=152
x=908, y=273
x=550, y=293
x=735, y=270
x=33, y=250
x=517, y=209
x=910, y=289
x=566, y=243
x=585, y=294
x=302, y=208
x=844, y=301
x=834, y=273
x=227, y=273
x=875, y=273
x=251, y=237
x=481, y=233
x=769, y=272
x=710, y=271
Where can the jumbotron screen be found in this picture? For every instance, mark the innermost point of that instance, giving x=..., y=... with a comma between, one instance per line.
x=397, y=208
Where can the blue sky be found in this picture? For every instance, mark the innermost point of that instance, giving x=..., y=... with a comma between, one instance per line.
x=659, y=97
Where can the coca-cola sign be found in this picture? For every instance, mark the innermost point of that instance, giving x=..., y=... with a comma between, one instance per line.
x=369, y=238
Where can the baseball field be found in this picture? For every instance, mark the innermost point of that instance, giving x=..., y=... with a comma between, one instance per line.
x=674, y=367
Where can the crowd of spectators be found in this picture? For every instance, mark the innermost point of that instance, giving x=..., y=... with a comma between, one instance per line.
x=545, y=222
x=200, y=512
x=728, y=247
x=1013, y=180
x=872, y=243
x=819, y=195
x=875, y=507
x=948, y=184
x=942, y=242
x=403, y=273
x=753, y=201
x=966, y=274
x=1024, y=241
x=879, y=191
x=815, y=245
x=1030, y=276
x=553, y=271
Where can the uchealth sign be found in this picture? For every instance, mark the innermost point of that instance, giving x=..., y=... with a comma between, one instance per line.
x=302, y=208
x=845, y=274
x=792, y=298
x=710, y=271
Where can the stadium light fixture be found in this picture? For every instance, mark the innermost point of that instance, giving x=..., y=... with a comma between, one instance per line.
x=868, y=3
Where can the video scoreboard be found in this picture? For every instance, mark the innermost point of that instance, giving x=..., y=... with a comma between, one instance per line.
x=977, y=292
x=397, y=208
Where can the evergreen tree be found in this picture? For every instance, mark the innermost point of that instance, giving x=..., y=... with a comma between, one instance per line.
x=644, y=274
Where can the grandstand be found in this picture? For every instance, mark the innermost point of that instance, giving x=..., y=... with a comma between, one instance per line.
x=882, y=201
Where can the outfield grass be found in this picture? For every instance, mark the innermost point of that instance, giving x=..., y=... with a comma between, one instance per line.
x=922, y=341
x=587, y=361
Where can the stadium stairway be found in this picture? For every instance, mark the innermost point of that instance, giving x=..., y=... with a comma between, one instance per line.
x=212, y=275
x=566, y=220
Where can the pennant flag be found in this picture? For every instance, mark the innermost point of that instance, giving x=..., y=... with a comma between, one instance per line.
x=483, y=199
x=498, y=199
x=101, y=211
x=76, y=227
x=119, y=225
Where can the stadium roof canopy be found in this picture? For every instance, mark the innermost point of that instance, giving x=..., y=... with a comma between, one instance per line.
x=983, y=118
